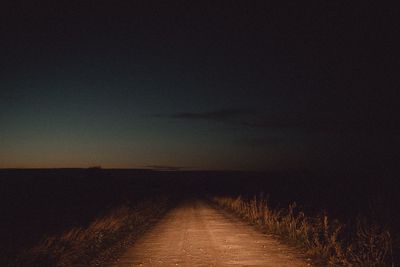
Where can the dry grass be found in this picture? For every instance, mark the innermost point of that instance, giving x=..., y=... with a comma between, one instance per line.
x=79, y=246
x=329, y=241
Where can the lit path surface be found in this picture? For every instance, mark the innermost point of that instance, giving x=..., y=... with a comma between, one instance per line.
x=195, y=234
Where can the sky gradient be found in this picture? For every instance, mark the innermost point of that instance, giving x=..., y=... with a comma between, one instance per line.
x=198, y=86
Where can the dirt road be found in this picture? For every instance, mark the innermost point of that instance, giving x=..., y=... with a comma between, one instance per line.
x=196, y=234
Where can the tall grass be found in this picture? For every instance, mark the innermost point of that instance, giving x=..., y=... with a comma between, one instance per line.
x=326, y=240
x=80, y=246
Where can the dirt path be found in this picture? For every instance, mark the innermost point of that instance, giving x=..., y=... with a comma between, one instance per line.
x=195, y=234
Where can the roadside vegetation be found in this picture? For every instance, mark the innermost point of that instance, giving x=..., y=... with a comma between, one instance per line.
x=98, y=242
x=329, y=241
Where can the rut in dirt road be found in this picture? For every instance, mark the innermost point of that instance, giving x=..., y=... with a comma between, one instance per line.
x=196, y=234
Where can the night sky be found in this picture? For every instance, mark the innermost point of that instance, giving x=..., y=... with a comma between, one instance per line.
x=182, y=85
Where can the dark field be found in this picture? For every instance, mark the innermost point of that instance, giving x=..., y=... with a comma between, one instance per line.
x=38, y=203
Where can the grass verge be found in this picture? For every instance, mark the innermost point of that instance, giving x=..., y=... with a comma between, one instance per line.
x=87, y=246
x=328, y=241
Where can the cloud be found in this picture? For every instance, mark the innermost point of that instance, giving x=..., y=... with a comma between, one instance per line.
x=215, y=115
x=254, y=119
x=165, y=167
x=304, y=121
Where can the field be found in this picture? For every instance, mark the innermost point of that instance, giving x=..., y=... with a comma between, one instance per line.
x=62, y=211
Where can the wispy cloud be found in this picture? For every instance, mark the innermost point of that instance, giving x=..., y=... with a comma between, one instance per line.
x=216, y=115
x=165, y=167
x=252, y=118
x=304, y=121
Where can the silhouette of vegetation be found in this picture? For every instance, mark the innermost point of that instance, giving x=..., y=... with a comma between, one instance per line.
x=326, y=240
x=97, y=243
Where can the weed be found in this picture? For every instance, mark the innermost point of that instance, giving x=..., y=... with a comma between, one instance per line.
x=368, y=245
x=80, y=245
